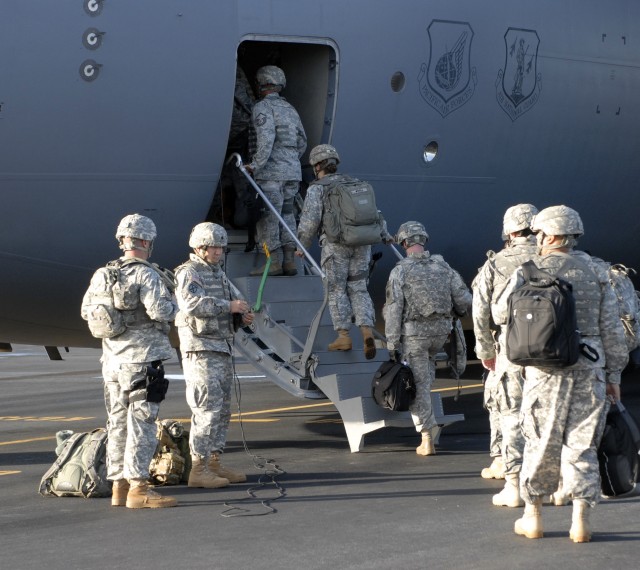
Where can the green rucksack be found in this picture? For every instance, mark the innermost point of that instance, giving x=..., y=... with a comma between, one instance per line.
x=80, y=469
x=350, y=214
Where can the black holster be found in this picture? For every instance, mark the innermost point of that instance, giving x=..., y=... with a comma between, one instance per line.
x=157, y=384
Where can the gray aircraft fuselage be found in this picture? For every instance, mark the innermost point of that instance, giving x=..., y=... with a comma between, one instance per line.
x=110, y=108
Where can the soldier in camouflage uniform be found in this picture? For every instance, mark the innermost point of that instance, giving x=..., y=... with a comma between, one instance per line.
x=423, y=292
x=125, y=359
x=208, y=302
x=503, y=389
x=562, y=407
x=346, y=267
x=279, y=143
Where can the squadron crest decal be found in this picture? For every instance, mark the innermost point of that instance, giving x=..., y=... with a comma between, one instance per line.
x=518, y=85
x=448, y=81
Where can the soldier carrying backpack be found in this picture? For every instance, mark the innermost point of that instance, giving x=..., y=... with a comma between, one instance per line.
x=132, y=357
x=342, y=212
x=562, y=406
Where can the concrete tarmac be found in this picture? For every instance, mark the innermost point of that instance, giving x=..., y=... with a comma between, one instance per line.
x=322, y=507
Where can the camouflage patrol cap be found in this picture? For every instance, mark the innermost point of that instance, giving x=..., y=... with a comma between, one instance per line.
x=412, y=233
x=323, y=152
x=208, y=234
x=518, y=218
x=271, y=75
x=136, y=226
x=558, y=221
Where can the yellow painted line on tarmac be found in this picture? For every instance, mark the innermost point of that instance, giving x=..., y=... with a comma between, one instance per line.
x=27, y=440
x=243, y=415
x=462, y=388
x=289, y=409
x=44, y=418
x=255, y=421
x=9, y=473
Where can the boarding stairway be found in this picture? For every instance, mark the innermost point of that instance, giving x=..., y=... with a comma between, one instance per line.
x=288, y=342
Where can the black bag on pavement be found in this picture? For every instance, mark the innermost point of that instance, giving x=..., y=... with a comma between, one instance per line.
x=393, y=386
x=618, y=452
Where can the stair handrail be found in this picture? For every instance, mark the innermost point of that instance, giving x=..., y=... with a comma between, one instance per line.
x=257, y=188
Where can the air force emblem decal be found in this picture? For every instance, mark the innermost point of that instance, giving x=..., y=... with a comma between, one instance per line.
x=518, y=85
x=448, y=81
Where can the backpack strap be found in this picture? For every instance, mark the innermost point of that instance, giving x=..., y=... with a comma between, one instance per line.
x=536, y=276
x=98, y=437
x=633, y=428
x=167, y=276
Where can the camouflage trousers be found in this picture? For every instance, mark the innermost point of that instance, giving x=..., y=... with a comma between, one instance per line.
x=208, y=377
x=131, y=426
x=490, y=404
x=420, y=355
x=564, y=407
x=347, y=270
x=281, y=194
x=508, y=401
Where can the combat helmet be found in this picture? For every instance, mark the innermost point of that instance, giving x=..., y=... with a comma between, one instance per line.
x=558, y=221
x=323, y=152
x=271, y=75
x=412, y=233
x=517, y=218
x=208, y=234
x=136, y=226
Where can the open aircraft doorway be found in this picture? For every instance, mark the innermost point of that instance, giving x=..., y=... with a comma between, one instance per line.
x=311, y=70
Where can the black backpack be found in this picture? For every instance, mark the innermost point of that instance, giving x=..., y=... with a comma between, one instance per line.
x=393, y=386
x=618, y=453
x=542, y=327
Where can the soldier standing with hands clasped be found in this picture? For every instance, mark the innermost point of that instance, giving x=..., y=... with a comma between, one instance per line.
x=208, y=303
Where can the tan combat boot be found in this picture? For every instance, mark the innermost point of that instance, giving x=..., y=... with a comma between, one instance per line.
x=580, y=527
x=343, y=342
x=141, y=497
x=510, y=494
x=530, y=525
x=289, y=264
x=495, y=470
x=369, y=342
x=200, y=476
x=119, y=493
x=426, y=447
x=225, y=472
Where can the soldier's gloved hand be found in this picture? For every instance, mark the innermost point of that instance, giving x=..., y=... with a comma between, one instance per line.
x=395, y=356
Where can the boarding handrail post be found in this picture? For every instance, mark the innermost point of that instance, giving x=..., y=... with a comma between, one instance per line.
x=395, y=250
x=257, y=188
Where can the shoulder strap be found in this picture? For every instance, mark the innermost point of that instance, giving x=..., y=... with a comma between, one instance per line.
x=98, y=438
x=532, y=273
x=167, y=276
x=633, y=428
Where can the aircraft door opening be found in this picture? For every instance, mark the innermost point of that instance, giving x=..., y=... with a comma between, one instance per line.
x=311, y=70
